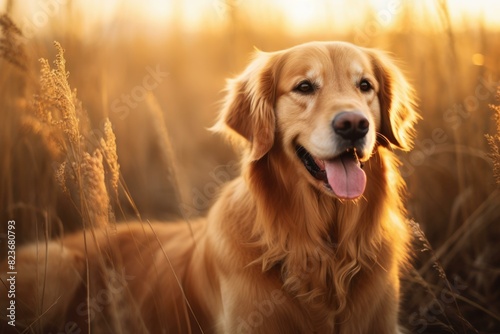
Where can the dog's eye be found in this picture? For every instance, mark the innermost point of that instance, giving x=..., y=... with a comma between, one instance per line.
x=365, y=85
x=305, y=87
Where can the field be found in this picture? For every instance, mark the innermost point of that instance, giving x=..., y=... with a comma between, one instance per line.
x=124, y=135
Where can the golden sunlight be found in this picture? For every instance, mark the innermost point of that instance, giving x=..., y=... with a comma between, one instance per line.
x=478, y=59
x=296, y=15
x=106, y=109
x=304, y=15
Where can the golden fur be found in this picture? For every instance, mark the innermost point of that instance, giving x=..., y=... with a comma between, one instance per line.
x=278, y=251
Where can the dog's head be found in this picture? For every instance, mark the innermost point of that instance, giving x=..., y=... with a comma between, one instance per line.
x=328, y=105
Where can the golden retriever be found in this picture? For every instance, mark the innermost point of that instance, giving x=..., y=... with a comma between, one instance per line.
x=311, y=238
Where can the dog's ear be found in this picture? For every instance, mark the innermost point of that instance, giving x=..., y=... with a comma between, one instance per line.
x=397, y=103
x=248, y=108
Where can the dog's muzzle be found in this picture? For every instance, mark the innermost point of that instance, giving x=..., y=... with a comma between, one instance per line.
x=343, y=174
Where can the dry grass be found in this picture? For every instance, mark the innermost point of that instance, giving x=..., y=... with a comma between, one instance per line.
x=10, y=47
x=63, y=168
x=81, y=173
x=494, y=142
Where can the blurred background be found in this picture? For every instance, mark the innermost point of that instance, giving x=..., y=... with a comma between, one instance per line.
x=157, y=69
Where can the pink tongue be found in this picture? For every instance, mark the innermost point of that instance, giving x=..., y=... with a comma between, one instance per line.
x=346, y=177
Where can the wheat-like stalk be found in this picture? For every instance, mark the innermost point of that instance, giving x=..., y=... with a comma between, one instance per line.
x=96, y=200
x=108, y=144
x=494, y=142
x=11, y=48
x=57, y=104
x=81, y=173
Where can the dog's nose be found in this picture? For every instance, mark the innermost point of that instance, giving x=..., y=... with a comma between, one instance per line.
x=350, y=125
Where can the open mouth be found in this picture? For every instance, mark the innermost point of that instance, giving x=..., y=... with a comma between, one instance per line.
x=343, y=175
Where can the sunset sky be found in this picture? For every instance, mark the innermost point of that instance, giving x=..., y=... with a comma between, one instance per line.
x=298, y=15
